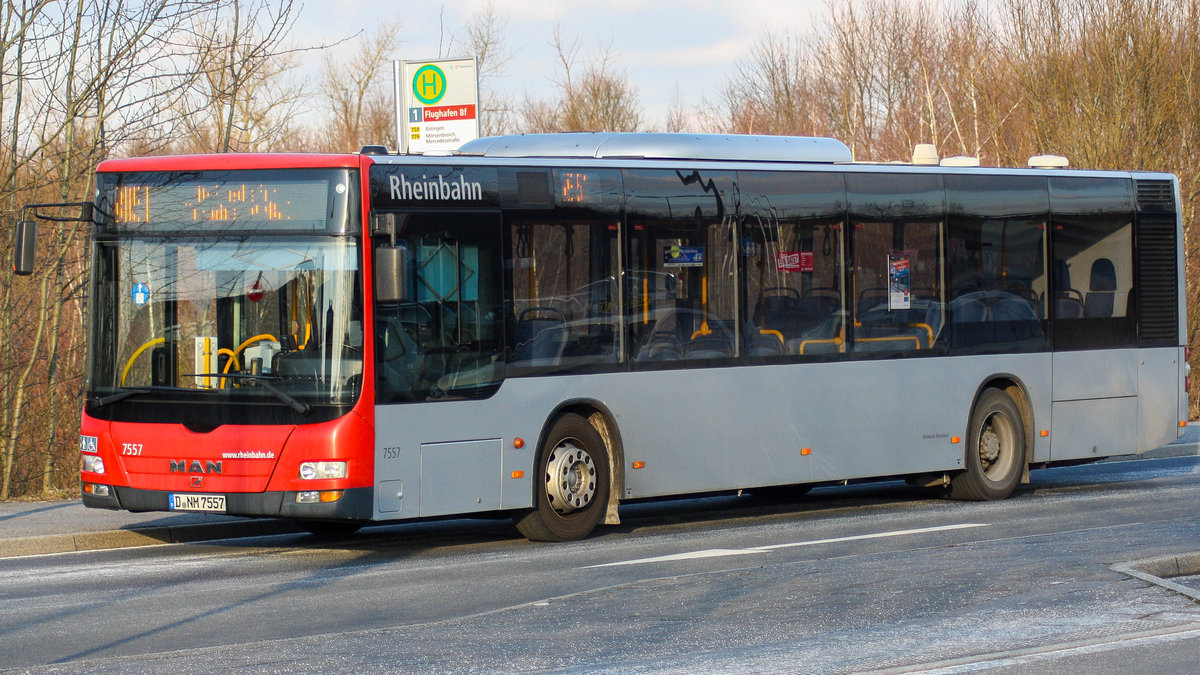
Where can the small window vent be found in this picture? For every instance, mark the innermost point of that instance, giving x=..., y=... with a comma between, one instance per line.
x=1155, y=196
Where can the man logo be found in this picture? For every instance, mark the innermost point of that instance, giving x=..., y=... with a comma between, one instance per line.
x=182, y=466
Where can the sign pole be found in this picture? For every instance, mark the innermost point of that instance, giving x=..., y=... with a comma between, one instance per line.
x=398, y=100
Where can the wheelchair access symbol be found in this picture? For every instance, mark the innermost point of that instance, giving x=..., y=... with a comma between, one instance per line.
x=141, y=294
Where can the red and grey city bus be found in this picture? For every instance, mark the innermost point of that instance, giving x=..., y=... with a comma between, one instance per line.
x=545, y=326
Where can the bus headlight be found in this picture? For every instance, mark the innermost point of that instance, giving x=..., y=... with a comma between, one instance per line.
x=321, y=470
x=93, y=464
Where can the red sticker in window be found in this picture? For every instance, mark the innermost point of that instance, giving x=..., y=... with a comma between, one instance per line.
x=794, y=261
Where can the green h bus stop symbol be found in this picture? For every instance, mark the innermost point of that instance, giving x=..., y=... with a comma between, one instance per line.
x=429, y=84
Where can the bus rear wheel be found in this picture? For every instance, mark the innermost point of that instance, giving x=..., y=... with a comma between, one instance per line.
x=572, y=493
x=995, y=450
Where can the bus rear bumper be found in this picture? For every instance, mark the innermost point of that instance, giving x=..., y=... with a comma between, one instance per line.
x=355, y=503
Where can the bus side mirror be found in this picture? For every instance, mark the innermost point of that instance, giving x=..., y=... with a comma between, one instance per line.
x=391, y=274
x=25, y=247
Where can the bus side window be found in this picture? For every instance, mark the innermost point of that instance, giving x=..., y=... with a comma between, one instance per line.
x=564, y=299
x=897, y=280
x=1092, y=245
x=897, y=277
x=682, y=266
x=793, y=261
x=997, y=267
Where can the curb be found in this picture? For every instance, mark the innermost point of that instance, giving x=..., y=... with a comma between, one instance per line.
x=149, y=536
x=235, y=529
x=1158, y=570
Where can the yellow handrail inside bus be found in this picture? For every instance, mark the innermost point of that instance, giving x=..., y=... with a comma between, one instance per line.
x=646, y=301
x=704, y=329
x=307, y=312
x=233, y=355
x=129, y=363
x=927, y=327
x=295, y=306
x=892, y=338
x=826, y=341
x=769, y=331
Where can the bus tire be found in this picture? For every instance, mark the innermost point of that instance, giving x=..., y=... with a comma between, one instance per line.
x=995, y=455
x=572, y=493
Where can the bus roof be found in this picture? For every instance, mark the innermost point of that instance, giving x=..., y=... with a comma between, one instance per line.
x=231, y=161
x=613, y=145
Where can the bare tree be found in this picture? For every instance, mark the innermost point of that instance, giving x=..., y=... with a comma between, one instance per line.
x=245, y=100
x=772, y=91
x=357, y=102
x=81, y=77
x=485, y=39
x=595, y=97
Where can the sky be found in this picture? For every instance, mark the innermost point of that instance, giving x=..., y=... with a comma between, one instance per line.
x=678, y=50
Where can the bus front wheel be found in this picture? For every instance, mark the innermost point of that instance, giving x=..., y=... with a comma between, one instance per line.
x=995, y=449
x=572, y=491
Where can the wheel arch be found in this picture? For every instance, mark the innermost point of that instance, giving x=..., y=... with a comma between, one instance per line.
x=1019, y=393
x=601, y=418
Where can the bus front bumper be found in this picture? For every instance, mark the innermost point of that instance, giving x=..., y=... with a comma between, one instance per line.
x=354, y=504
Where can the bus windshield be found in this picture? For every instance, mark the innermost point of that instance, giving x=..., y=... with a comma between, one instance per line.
x=254, y=327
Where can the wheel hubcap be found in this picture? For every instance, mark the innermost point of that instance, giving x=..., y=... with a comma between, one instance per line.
x=997, y=446
x=570, y=478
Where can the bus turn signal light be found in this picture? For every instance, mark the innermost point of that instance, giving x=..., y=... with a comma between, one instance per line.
x=639, y=465
x=956, y=439
x=806, y=451
x=518, y=474
x=518, y=443
x=96, y=489
x=318, y=496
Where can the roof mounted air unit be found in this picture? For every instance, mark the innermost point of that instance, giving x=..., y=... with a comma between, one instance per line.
x=961, y=160
x=1048, y=162
x=925, y=154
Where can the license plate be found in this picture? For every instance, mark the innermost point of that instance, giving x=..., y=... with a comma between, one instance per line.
x=197, y=502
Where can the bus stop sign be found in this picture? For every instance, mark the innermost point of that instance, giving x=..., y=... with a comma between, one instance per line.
x=438, y=104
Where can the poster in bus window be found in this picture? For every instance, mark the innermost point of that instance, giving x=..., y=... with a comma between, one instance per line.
x=794, y=261
x=683, y=256
x=899, y=281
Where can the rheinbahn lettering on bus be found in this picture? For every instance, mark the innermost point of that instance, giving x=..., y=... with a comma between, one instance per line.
x=436, y=188
x=547, y=326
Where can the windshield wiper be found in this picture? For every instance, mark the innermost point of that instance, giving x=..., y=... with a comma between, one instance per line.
x=101, y=401
x=292, y=402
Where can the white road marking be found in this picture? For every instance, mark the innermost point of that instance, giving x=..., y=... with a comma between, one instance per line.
x=707, y=553
x=721, y=552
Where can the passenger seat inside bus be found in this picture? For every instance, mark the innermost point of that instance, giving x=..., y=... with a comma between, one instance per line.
x=1102, y=289
x=783, y=310
x=540, y=336
x=1068, y=302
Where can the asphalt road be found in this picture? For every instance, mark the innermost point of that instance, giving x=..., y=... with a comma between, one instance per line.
x=877, y=577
